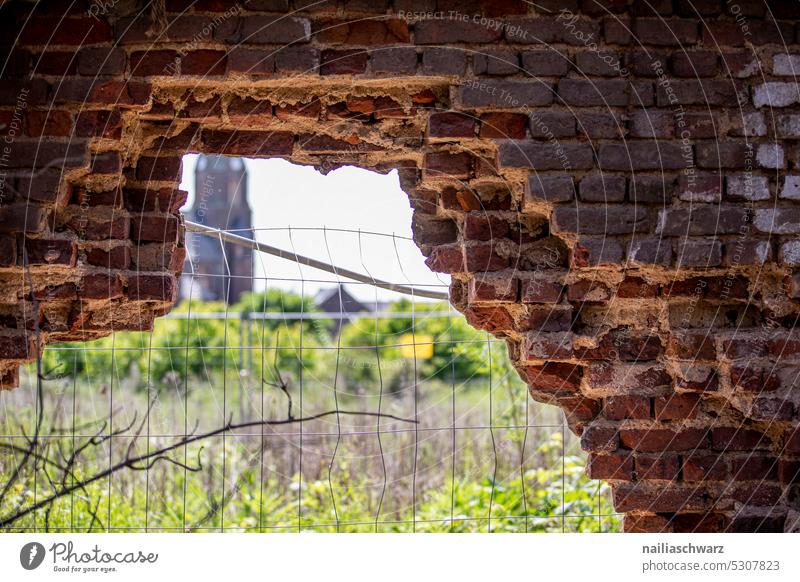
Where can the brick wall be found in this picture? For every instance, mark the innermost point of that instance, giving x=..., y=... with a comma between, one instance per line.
x=613, y=186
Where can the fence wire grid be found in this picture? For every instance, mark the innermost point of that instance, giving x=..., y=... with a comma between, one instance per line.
x=272, y=414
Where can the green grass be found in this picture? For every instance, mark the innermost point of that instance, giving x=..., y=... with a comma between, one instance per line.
x=483, y=456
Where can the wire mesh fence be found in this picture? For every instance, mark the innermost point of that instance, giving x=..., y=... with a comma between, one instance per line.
x=271, y=413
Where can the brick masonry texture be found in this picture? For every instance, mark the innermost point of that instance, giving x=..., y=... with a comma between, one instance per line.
x=613, y=187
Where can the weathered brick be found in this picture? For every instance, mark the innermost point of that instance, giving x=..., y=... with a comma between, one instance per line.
x=451, y=124
x=550, y=125
x=100, y=286
x=537, y=290
x=702, y=220
x=343, y=62
x=504, y=94
x=50, y=252
x=676, y=406
x=698, y=253
x=615, y=219
x=650, y=251
x=545, y=156
x=503, y=125
x=657, y=467
x=484, y=287
x=545, y=63
x=550, y=188
x=602, y=188
x=440, y=164
x=738, y=439
x=153, y=288
x=443, y=61
x=658, y=439
x=393, y=61
x=552, y=377
x=495, y=63
x=594, y=252
x=644, y=156
x=249, y=143
x=618, y=467
x=627, y=407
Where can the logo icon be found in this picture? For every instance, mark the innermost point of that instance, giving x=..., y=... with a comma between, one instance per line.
x=31, y=555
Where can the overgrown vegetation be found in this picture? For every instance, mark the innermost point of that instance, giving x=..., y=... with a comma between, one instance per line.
x=478, y=456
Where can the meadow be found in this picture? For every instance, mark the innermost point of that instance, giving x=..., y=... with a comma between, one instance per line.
x=446, y=442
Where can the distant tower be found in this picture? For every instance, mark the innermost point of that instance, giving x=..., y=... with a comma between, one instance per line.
x=220, y=201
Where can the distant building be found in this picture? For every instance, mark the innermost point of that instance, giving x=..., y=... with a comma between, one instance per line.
x=215, y=271
x=338, y=300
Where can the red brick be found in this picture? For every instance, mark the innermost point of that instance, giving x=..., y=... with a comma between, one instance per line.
x=738, y=439
x=203, y=63
x=598, y=439
x=677, y=406
x=704, y=467
x=154, y=63
x=154, y=228
x=343, y=62
x=754, y=468
x=445, y=259
x=553, y=377
x=634, y=496
x=117, y=257
x=161, y=168
x=635, y=288
x=47, y=123
x=610, y=467
x=64, y=31
x=503, y=125
x=536, y=290
x=484, y=257
x=488, y=288
x=444, y=164
x=106, y=124
x=153, y=288
x=8, y=251
x=248, y=143
x=482, y=226
x=388, y=108
x=451, y=124
x=791, y=441
x=657, y=439
x=646, y=523
x=101, y=286
x=789, y=472
x=657, y=467
x=492, y=319
x=17, y=347
x=546, y=319
x=589, y=291
x=50, y=252
x=743, y=347
x=626, y=407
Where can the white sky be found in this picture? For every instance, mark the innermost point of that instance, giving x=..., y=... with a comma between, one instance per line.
x=284, y=195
